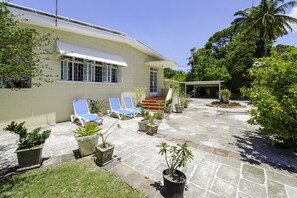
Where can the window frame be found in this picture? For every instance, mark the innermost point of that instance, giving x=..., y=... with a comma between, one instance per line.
x=109, y=72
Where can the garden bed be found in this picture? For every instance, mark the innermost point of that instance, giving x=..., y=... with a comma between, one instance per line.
x=225, y=105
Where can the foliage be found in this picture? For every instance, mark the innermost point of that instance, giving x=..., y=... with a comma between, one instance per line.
x=226, y=56
x=98, y=106
x=225, y=93
x=267, y=21
x=78, y=178
x=168, y=102
x=177, y=75
x=107, y=133
x=144, y=114
x=185, y=100
x=139, y=94
x=176, y=91
x=90, y=128
x=153, y=117
x=274, y=93
x=22, y=52
x=28, y=140
x=175, y=156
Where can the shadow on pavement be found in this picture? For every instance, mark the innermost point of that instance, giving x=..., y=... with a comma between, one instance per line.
x=257, y=149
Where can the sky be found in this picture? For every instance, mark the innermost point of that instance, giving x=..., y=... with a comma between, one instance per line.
x=171, y=27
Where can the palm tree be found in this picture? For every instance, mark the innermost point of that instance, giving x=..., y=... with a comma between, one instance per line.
x=267, y=20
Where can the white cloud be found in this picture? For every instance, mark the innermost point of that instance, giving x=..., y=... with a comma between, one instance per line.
x=294, y=14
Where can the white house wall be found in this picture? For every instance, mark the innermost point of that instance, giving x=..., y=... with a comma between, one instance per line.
x=52, y=102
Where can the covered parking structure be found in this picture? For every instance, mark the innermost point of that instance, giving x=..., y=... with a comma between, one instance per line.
x=217, y=84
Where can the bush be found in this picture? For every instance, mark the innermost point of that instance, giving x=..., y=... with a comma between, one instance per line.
x=225, y=95
x=28, y=140
x=274, y=92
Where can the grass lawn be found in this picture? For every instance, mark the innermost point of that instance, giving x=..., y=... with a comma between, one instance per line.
x=82, y=178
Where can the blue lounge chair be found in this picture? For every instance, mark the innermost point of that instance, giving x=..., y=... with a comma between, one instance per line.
x=82, y=113
x=129, y=105
x=115, y=107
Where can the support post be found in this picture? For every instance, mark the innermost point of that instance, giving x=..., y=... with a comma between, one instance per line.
x=220, y=90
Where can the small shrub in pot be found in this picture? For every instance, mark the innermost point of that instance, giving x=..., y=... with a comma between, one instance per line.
x=175, y=157
x=30, y=145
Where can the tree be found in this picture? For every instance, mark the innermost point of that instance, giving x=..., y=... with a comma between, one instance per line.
x=226, y=56
x=274, y=93
x=22, y=52
x=177, y=75
x=267, y=21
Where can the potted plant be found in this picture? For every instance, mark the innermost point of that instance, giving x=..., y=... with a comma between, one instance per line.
x=98, y=106
x=152, y=127
x=142, y=125
x=176, y=92
x=167, y=108
x=175, y=157
x=225, y=95
x=104, y=151
x=139, y=94
x=160, y=110
x=87, y=138
x=30, y=145
x=185, y=100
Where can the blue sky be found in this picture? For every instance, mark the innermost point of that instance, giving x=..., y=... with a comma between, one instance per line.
x=171, y=27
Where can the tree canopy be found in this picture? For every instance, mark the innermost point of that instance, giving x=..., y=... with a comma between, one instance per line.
x=274, y=92
x=22, y=51
x=266, y=21
x=229, y=54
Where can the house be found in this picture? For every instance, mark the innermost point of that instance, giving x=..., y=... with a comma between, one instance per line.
x=93, y=62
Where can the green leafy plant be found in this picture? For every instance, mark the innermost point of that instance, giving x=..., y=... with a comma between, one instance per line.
x=185, y=100
x=274, y=93
x=139, y=94
x=225, y=95
x=98, y=106
x=107, y=133
x=153, y=117
x=23, y=53
x=90, y=128
x=168, y=102
x=176, y=91
x=175, y=156
x=144, y=114
x=28, y=139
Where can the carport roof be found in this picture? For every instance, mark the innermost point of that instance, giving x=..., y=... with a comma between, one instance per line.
x=211, y=82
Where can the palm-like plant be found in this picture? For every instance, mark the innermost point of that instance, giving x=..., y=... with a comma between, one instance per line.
x=268, y=20
x=175, y=156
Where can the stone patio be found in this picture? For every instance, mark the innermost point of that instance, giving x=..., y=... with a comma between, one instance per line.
x=227, y=163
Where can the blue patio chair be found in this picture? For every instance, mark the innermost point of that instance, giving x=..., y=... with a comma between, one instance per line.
x=129, y=105
x=82, y=113
x=115, y=107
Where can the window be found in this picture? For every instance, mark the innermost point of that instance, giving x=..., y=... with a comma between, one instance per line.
x=153, y=80
x=24, y=82
x=77, y=69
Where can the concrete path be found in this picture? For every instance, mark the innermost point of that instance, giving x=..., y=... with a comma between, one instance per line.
x=219, y=168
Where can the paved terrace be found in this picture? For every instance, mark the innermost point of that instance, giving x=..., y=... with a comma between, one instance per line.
x=230, y=158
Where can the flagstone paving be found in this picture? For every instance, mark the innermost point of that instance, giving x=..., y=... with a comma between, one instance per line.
x=218, y=169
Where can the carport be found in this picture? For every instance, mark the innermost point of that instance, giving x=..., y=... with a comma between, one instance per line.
x=213, y=83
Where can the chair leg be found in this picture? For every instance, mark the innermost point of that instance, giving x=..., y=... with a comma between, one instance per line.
x=72, y=118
